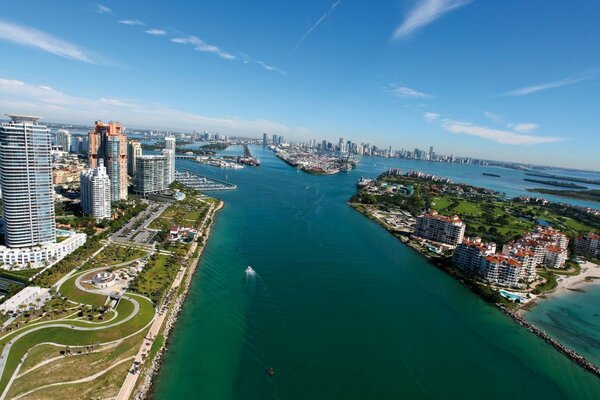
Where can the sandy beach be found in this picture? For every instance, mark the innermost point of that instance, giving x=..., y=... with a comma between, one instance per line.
x=590, y=274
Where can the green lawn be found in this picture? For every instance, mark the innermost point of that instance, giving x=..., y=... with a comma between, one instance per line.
x=72, y=292
x=66, y=336
x=156, y=277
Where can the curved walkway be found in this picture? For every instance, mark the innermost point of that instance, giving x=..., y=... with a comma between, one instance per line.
x=72, y=325
x=82, y=380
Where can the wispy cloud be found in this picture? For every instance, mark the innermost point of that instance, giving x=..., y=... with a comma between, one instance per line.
x=525, y=127
x=270, y=67
x=431, y=116
x=200, y=45
x=494, y=117
x=156, y=32
x=18, y=96
x=424, y=13
x=316, y=24
x=30, y=37
x=406, y=92
x=131, y=22
x=495, y=135
x=102, y=9
x=524, y=91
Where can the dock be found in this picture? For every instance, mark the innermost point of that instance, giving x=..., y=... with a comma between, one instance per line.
x=202, y=183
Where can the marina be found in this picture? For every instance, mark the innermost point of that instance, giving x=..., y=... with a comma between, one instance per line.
x=201, y=183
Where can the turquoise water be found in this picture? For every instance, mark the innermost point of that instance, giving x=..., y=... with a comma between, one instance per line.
x=574, y=319
x=340, y=308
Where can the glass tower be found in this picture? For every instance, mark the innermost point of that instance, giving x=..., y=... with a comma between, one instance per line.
x=26, y=181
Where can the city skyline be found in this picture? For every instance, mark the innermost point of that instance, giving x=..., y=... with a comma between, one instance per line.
x=404, y=80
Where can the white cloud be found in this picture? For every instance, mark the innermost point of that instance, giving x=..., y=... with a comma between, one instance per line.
x=30, y=37
x=131, y=22
x=431, y=116
x=316, y=24
x=496, y=135
x=406, y=92
x=200, y=45
x=424, y=13
x=156, y=32
x=525, y=127
x=269, y=67
x=524, y=91
x=20, y=97
x=102, y=9
x=493, y=117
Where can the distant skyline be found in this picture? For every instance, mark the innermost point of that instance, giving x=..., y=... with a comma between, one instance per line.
x=504, y=80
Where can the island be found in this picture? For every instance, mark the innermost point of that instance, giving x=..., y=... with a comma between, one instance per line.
x=495, y=246
x=590, y=195
x=314, y=162
x=215, y=146
x=569, y=185
x=565, y=178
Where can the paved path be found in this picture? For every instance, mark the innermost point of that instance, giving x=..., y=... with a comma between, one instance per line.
x=132, y=376
x=82, y=380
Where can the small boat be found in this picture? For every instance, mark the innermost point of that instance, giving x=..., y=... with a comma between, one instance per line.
x=271, y=371
x=250, y=270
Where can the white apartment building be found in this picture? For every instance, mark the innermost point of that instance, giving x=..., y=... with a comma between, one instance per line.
x=95, y=192
x=501, y=270
x=588, y=245
x=470, y=254
x=170, y=146
x=63, y=139
x=448, y=230
x=549, y=247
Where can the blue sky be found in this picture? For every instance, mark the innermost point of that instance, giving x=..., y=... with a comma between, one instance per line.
x=500, y=79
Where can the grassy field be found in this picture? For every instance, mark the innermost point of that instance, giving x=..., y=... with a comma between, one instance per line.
x=156, y=277
x=68, y=368
x=502, y=221
x=72, y=292
x=116, y=254
x=187, y=212
x=67, y=336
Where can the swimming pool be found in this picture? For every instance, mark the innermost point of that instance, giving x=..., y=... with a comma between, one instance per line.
x=511, y=296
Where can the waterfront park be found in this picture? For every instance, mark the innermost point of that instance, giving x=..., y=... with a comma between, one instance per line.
x=107, y=318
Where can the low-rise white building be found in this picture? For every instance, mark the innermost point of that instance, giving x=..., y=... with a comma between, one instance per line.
x=40, y=255
x=25, y=297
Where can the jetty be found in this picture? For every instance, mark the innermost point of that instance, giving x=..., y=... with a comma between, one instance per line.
x=202, y=183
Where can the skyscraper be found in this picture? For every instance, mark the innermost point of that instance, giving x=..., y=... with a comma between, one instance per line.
x=170, y=145
x=26, y=180
x=265, y=139
x=151, y=176
x=275, y=140
x=63, y=139
x=95, y=192
x=108, y=141
x=134, y=150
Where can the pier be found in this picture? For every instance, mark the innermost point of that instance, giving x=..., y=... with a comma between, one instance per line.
x=202, y=183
